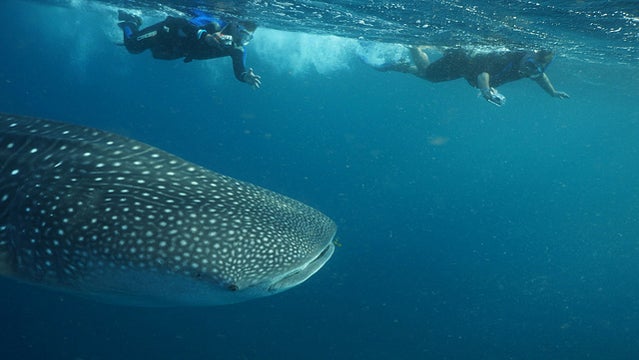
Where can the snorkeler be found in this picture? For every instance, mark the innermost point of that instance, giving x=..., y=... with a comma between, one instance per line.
x=484, y=71
x=203, y=37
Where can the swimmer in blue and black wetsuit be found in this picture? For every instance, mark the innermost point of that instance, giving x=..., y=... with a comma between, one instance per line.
x=485, y=71
x=203, y=37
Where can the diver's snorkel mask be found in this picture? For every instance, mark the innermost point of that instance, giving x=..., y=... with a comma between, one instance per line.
x=241, y=36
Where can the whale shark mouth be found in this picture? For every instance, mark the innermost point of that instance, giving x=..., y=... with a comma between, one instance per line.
x=305, y=271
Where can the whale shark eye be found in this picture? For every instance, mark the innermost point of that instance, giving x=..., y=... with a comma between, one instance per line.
x=233, y=287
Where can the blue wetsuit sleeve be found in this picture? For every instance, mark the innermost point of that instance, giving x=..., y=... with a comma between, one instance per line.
x=239, y=63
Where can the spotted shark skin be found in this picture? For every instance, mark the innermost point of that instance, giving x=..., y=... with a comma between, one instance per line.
x=107, y=217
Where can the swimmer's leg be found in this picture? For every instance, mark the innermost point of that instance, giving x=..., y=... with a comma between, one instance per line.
x=421, y=60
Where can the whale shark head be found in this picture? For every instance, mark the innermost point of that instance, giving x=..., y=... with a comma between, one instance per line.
x=100, y=215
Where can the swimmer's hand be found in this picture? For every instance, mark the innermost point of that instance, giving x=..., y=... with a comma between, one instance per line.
x=252, y=79
x=561, y=95
x=493, y=96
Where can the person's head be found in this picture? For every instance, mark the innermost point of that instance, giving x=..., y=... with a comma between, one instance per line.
x=534, y=63
x=242, y=32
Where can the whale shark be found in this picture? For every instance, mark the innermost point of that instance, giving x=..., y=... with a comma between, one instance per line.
x=107, y=217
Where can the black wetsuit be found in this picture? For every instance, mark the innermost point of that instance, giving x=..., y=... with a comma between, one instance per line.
x=502, y=67
x=176, y=38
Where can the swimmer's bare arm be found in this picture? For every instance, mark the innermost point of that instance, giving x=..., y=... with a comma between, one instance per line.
x=489, y=93
x=544, y=82
x=483, y=83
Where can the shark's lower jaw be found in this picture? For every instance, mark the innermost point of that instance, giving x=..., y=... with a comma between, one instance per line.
x=302, y=273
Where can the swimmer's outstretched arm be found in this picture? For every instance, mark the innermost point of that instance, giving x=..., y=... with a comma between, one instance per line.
x=544, y=82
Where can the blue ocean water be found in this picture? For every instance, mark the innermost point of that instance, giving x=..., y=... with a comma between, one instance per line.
x=468, y=231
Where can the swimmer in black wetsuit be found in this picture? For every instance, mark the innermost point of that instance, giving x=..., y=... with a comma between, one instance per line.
x=485, y=71
x=203, y=37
